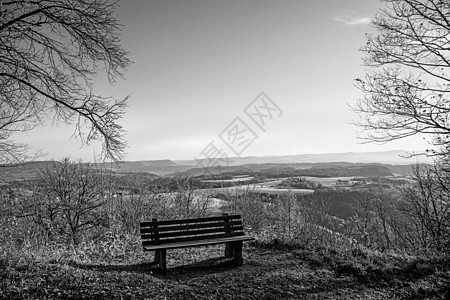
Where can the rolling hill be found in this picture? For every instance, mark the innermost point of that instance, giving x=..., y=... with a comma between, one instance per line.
x=381, y=163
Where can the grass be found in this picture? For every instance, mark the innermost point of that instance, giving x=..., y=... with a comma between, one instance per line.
x=120, y=270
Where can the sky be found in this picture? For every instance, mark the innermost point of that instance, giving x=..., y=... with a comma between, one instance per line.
x=198, y=64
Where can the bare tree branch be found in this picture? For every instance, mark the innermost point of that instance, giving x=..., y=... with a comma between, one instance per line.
x=407, y=86
x=50, y=51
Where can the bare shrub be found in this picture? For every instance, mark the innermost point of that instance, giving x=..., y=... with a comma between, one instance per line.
x=187, y=201
x=67, y=199
x=124, y=212
x=247, y=202
x=428, y=207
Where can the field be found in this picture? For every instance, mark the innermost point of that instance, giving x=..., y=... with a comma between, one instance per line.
x=262, y=190
x=269, y=186
x=234, y=180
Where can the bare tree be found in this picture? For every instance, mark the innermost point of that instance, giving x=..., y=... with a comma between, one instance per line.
x=428, y=205
x=50, y=52
x=68, y=197
x=407, y=87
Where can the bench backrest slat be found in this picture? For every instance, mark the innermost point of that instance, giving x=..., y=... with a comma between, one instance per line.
x=191, y=232
x=190, y=226
x=176, y=231
x=187, y=221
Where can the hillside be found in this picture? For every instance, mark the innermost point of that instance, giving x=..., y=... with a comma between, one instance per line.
x=269, y=272
x=274, y=170
x=30, y=170
x=27, y=170
x=159, y=167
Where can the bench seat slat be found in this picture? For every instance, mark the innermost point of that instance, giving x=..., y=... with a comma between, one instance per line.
x=191, y=243
x=189, y=233
x=187, y=221
x=190, y=226
x=191, y=238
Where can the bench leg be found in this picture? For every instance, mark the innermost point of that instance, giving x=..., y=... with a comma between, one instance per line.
x=162, y=260
x=156, y=259
x=237, y=253
x=228, y=250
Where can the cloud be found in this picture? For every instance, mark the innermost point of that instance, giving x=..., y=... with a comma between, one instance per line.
x=352, y=18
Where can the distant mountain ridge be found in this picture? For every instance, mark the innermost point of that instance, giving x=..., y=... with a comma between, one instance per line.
x=153, y=163
x=392, y=159
x=396, y=157
x=160, y=167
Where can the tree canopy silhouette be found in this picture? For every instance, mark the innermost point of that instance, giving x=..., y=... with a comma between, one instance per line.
x=50, y=53
x=407, y=86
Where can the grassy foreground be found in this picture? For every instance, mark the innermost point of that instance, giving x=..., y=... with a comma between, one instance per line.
x=269, y=272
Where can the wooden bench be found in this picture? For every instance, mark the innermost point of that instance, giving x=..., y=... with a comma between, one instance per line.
x=159, y=236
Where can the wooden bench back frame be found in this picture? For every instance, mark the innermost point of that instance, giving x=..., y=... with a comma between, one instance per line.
x=159, y=236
